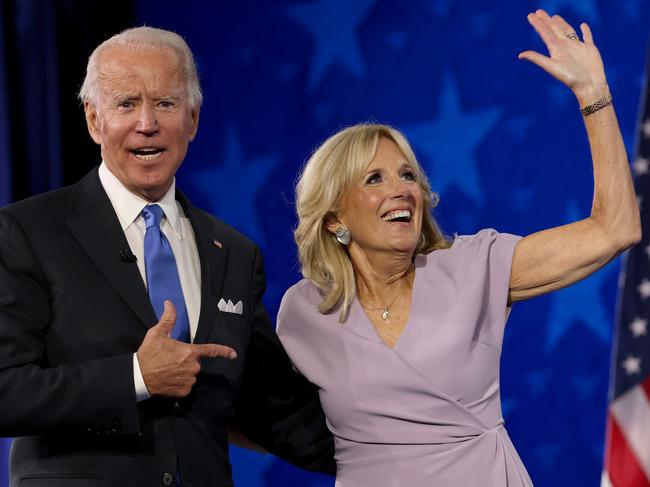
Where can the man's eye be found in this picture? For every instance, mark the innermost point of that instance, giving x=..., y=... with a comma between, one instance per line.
x=125, y=104
x=166, y=104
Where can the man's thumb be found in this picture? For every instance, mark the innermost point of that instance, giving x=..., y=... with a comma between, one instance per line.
x=167, y=319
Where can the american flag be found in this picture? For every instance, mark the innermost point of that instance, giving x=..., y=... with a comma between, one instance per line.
x=627, y=449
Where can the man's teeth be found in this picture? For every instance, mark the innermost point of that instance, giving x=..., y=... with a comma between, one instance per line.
x=397, y=214
x=147, y=154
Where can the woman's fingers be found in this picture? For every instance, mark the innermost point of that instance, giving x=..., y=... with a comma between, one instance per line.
x=586, y=34
x=563, y=26
x=542, y=28
x=544, y=62
x=552, y=24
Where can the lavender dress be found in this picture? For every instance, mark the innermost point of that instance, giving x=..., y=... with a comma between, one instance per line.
x=427, y=412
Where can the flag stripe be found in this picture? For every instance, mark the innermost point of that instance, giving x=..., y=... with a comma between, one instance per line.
x=632, y=414
x=627, y=453
x=646, y=387
x=622, y=466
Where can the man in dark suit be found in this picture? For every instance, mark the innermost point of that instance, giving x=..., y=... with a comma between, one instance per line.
x=99, y=384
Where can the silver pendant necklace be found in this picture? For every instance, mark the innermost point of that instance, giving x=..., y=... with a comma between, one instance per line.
x=385, y=310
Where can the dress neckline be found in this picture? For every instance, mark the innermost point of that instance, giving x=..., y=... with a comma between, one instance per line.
x=360, y=323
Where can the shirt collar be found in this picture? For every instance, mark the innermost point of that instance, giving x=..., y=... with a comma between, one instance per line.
x=128, y=205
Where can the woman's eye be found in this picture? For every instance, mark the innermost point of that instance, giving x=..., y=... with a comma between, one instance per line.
x=408, y=176
x=373, y=179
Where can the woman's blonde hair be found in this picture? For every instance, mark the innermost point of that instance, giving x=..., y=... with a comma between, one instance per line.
x=328, y=175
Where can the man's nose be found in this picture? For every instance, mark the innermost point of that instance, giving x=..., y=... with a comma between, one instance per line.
x=147, y=120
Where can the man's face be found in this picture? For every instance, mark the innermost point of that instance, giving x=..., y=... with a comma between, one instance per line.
x=142, y=120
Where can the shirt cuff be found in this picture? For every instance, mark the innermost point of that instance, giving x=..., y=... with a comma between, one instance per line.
x=141, y=392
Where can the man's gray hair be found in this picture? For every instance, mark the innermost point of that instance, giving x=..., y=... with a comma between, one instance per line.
x=144, y=38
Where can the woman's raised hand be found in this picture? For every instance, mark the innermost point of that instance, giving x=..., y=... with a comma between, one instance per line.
x=575, y=63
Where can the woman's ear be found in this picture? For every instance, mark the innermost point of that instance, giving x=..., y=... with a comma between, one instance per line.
x=332, y=222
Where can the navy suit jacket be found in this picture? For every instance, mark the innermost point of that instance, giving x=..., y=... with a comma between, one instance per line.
x=72, y=313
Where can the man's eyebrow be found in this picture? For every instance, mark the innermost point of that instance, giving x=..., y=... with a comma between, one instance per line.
x=119, y=95
x=166, y=97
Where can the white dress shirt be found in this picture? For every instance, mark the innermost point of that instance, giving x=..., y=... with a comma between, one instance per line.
x=176, y=227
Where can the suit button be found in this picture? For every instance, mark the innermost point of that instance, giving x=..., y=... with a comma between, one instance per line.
x=167, y=479
x=176, y=407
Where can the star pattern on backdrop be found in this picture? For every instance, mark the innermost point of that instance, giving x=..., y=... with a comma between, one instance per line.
x=305, y=68
x=334, y=27
x=236, y=183
x=448, y=144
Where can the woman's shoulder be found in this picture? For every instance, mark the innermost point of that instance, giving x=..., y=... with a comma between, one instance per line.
x=481, y=244
x=304, y=289
x=300, y=299
x=482, y=236
x=485, y=238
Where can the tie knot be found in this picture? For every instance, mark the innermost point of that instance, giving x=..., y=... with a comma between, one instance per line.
x=152, y=215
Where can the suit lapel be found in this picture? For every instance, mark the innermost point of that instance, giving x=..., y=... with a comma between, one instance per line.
x=98, y=231
x=213, y=257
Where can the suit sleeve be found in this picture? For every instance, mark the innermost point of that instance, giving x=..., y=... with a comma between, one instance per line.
x=96, y=398
x=277, y=408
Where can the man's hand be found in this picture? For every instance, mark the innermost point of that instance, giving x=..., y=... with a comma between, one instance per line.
x=169, y=367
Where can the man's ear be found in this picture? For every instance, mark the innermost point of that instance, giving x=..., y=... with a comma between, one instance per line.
x=332, y=222
x=92, y=122
x=195, y=123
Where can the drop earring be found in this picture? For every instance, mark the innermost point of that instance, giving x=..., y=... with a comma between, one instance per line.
x=342, y=234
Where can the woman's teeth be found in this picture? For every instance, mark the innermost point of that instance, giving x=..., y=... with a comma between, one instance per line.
x=393, y=215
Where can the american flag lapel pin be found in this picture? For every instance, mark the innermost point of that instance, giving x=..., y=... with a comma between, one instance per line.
x=216, y=243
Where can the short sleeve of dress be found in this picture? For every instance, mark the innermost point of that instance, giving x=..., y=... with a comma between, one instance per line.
x=496, y=251
x=301, y=328
x=473, y=276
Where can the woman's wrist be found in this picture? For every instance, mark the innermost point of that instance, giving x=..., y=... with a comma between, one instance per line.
x=591, y=93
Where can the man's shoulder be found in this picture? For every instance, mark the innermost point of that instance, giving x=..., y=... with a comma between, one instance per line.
x=40, y=204
x=223, y=233
x=50, y=202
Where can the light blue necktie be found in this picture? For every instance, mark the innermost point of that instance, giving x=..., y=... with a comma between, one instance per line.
x=162, y=275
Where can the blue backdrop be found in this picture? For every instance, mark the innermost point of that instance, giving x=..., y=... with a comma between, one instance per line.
x=502, y=142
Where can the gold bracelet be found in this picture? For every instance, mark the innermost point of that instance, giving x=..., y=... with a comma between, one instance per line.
x=597, y=105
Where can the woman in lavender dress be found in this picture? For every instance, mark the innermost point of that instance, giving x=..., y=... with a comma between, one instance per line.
x=401, y=329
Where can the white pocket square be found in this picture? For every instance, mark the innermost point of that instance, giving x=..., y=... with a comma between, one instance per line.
x=229, y=307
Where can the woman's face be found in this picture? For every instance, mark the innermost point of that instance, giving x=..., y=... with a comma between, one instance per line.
x=383, y=211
